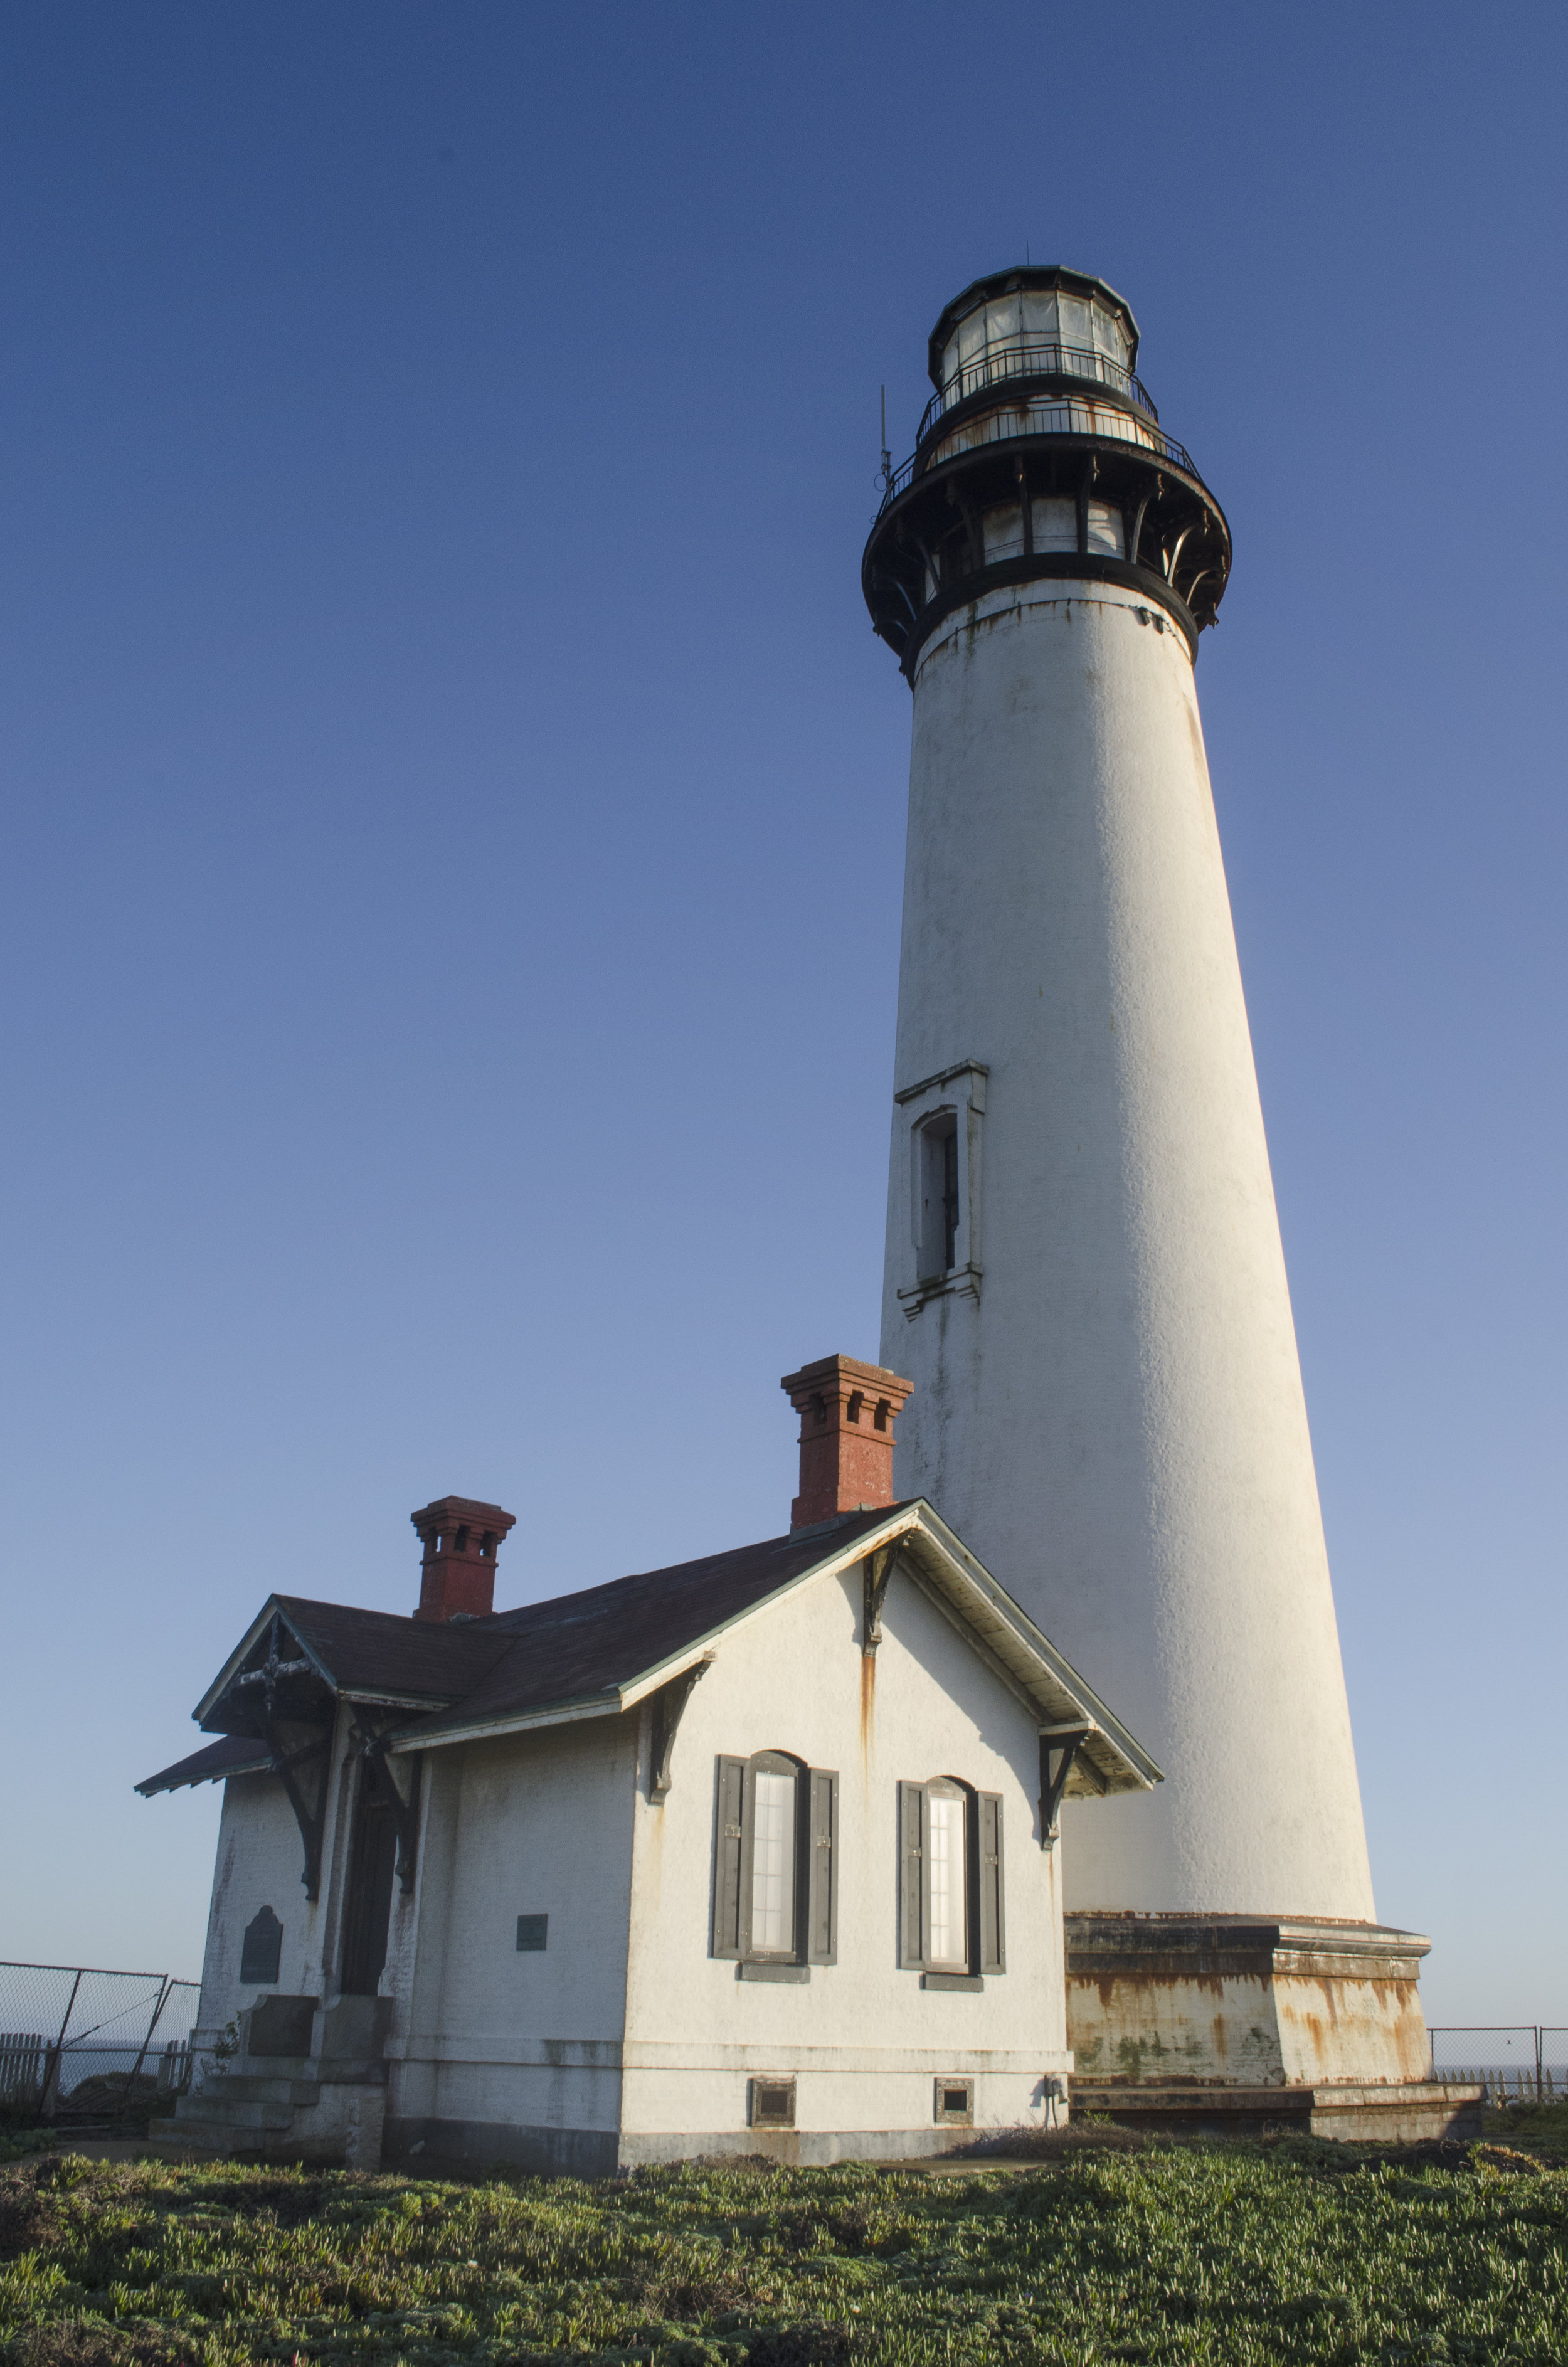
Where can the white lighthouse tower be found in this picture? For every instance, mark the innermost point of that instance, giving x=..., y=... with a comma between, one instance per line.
x=1084, y=1278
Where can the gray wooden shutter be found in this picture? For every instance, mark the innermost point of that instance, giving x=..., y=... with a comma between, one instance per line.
x=822, y=1873
x=729, y=1808
x=992, y=1925
x=911, y=1911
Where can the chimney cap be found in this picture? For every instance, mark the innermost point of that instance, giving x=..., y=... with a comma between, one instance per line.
x=452, y=1511
x=840, y=1377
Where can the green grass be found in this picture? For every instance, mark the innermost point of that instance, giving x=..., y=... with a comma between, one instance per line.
x=1529, y=2126
x=1226, y=2253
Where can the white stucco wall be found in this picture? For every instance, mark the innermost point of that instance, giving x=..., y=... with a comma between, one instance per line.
x=863, y=2040
x=260, y=1861
x=1115, y=1425
x=523, y=1824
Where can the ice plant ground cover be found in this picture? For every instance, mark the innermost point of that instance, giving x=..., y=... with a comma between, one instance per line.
x=1218, y=2253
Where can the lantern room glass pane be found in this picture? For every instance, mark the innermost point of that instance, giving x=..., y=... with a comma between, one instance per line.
x=1040, y=313
x=945, y=1842
x=1002, y=320
x=971, y=338
x=1109, y=335
x=1076, y=326
x=773, y=1862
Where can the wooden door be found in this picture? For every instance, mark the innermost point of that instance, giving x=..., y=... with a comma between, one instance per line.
x=372, y=1871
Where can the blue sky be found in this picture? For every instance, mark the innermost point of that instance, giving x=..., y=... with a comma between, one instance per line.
x=454, y=806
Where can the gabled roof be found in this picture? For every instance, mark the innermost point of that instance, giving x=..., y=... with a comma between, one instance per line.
x=599, y=1652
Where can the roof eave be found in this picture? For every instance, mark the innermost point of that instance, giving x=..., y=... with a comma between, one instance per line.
x=1131, y=1767
x=1031, y=1663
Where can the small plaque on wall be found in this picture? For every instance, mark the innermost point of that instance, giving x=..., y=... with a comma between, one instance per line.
x=533, y=1934
x=262, y=1950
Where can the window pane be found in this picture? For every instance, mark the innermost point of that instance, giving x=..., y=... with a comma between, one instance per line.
x=1004, y=531
x=1040, y=313
x=1001, y=320
x=1075, y=325
x=1055, y=525
x=1109, y=335
x=773, y=1864
x=945, y=1844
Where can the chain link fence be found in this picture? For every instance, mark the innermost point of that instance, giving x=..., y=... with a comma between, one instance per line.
x=1516, y=2062
x=82, y=2046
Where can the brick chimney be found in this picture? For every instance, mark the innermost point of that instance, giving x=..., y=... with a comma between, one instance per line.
x=461, y=1540
x=847, y=1411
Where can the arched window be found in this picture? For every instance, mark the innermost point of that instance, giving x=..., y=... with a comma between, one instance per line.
x=938, y=1172
x=950, y=1904
x=946, y=1833
x=775, y=1877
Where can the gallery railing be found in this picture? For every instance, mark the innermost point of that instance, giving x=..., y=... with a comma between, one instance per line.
x=1032, y=357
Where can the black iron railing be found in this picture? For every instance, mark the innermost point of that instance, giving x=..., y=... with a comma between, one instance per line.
x=1063, y=416
x=1038, y=358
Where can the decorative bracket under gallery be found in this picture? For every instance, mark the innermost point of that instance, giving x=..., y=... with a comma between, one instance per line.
x=1058, y=1750
x=669, y=1707
x=875, y=1571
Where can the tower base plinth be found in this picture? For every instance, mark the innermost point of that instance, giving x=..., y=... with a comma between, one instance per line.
x=1253, y=2002
x=1413, y=2112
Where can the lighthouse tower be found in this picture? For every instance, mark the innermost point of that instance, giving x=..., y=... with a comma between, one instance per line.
x=1084, y=1278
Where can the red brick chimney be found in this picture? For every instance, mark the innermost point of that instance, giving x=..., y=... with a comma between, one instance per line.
x=847, y=1411
x=461, y=1540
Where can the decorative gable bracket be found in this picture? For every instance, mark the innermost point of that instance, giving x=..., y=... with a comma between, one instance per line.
x=269, y=1678
x=669, y=1707
x=1060, y=1744
x=876, y=1570
x=372, y=1746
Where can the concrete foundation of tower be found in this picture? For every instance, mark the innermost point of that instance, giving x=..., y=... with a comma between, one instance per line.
x=1251, y=2022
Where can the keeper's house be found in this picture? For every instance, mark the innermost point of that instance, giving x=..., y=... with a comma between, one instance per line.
x=754, y=1854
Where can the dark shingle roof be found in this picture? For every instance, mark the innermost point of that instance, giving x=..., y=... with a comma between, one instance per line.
x=511, y=1662
x=605, y=1640
x=607, y=1635
x=371, y=1652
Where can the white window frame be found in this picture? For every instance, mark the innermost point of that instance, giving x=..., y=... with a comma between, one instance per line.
x=958, y=1093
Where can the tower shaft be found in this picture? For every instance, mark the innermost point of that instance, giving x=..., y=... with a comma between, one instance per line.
x=1107, y=1396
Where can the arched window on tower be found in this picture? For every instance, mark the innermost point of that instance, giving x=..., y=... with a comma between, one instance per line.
x=939, y=1209
x=945, y=1115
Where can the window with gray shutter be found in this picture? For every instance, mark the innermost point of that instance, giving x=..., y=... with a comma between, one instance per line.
x=988, y=1862
x=912, y=1874
x=775, y=1865
x=951, y=1923
x=822, y=1876
x=728, y=1835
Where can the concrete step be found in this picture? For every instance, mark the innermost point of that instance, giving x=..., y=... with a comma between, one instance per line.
x=232, y=2113
x=251, y=2088
x=214, y=2137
